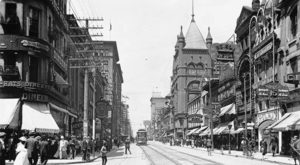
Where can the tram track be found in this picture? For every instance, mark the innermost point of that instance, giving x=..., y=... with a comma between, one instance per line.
x=176, y=157
x=153, y=162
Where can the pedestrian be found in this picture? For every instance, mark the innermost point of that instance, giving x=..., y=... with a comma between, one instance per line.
x=2, y=148
x=294, y=147
x=264, y=146
x=84, y=148
x=244, y=146
x=208, y=146
x=63, y=148
x=127, y=145
x=32, y=149
x=11, y=148
x=44, y=150
x=274, y=145
x=22, y=155
x=104, y=152
x=72, y=147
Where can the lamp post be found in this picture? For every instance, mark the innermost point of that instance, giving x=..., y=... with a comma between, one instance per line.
x=229, y=147
x=245, y=106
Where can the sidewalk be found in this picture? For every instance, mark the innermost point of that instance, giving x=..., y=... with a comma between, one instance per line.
x=258, y=155
x=76, y=160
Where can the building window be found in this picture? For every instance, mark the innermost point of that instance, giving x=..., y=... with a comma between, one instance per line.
x=294, y=23
x=294, y=65
x=10, y=22
x=34, y=18
x=10, y=67
x=33, y=69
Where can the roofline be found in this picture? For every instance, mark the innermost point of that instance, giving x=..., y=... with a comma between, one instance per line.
x=114, y=43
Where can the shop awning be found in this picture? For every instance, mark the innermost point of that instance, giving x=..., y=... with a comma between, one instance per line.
x=239, y=130
x=206, y=132
x=198, y=131
x=37, y=117
x=192, y=131
x=228, y=109
x=60, y=80
x=9, y=112
x=289, y=121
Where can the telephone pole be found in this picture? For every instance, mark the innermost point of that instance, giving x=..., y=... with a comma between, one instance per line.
x=87, y=61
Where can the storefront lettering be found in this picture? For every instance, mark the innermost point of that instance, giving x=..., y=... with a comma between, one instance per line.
x=34, y=97
x=266, y=116
x=263, y=51
x=22, y=84
x=36, y=45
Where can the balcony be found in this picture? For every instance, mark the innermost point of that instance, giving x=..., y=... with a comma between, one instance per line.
x=9, y=70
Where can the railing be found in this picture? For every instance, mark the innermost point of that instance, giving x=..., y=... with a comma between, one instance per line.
x=9, y=70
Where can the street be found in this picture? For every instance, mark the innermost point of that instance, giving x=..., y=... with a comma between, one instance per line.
x=156, y=153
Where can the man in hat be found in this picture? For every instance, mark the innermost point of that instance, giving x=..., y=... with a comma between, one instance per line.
x=32, y=149
x=2, y=148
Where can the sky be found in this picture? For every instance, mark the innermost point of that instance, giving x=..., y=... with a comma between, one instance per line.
x=146, y=33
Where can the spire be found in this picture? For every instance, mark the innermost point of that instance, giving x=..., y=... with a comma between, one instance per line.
x=208, y=35
x=193, y=15
x=181, y=36
x=209, y=38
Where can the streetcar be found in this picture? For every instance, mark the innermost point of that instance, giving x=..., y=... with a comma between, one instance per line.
x=141, y=137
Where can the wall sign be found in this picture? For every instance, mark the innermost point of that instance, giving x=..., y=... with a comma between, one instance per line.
x=271, y=115
x=36, y=45
x=35, y=97
x=263, y=50
x=24, y=84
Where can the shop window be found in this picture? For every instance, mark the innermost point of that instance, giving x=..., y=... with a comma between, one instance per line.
x=34, y=19
x=294, y=23
x=10, y=22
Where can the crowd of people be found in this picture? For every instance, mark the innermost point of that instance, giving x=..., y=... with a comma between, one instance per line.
x=248, y=146
x=29, y=148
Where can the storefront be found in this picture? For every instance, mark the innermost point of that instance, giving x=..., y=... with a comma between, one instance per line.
x=263, y=121
x=288, y=125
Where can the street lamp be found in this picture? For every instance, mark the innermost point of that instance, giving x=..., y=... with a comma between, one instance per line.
x=229, y=148
x=245, y=106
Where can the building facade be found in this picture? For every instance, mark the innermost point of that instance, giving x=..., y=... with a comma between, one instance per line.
x=33, y=65
x=189, y=68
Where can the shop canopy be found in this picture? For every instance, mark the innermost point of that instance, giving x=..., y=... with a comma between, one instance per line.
x=191, y=132
x=37, y=117
x=9, y=112
x=206, y=132
x=198, y=131
x=228, y=109
x=289, y=121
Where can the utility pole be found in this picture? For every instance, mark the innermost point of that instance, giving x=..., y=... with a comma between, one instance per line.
x=87, y=62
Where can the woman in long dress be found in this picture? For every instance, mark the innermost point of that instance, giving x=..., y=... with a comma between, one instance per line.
x=22, y=158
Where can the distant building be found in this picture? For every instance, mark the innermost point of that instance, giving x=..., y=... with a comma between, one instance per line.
x=158, y=103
